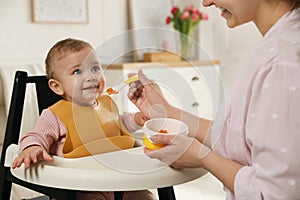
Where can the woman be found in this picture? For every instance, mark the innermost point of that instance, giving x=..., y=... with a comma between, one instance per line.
x=252, y=148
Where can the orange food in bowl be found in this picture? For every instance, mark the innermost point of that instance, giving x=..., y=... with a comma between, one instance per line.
x=163, y=131
x=162, y=126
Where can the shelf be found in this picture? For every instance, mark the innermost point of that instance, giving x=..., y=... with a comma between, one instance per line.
x=135, y=65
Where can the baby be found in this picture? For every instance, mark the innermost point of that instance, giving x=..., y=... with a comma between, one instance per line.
x=84, y=122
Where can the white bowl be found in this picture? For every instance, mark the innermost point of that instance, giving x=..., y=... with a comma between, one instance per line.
x=172, y=126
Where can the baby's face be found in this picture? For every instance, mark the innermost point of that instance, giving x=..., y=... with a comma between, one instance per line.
x=80, y=76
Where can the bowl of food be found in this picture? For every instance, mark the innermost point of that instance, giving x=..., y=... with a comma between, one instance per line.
x=162, y=126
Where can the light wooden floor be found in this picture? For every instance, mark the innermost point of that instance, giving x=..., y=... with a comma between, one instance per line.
x=206, y=188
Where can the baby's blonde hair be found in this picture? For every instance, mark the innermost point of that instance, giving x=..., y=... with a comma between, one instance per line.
x=61, y=49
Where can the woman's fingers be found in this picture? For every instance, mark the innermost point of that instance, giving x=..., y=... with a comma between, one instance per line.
x=147, y=83
x=167, y=154
x=131, y=74
x=181, y=151
x=162, y=138
x=142, y=77
x=135, y=90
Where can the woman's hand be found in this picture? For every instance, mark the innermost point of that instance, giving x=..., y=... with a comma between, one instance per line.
x=147, y=96
x=180, y=152
x=31, y=154
x=140, y=118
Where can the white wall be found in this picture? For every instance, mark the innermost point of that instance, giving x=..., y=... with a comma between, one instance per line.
x=230, y=46
x=23, y=40
x=240, y=42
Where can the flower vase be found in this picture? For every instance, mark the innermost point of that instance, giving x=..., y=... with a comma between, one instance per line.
x=186, y=47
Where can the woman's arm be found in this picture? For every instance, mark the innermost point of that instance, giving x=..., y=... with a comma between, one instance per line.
x=223, y=169
x=199, y=128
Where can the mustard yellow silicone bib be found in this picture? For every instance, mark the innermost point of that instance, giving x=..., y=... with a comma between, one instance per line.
x=92, y=130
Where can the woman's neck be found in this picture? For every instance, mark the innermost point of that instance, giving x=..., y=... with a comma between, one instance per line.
x=269, y=13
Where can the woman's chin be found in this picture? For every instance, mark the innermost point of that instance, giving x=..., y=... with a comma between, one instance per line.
x=231, y=25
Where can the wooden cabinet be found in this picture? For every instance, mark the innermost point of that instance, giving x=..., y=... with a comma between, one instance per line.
x=192, y=86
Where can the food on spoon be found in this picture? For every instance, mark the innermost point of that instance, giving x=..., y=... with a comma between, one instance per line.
x=111, y=91
x=118, y=88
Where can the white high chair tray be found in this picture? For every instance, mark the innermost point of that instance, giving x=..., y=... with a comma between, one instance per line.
x=116, y=171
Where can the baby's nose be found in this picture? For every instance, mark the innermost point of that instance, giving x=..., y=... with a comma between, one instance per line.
x=93, y=76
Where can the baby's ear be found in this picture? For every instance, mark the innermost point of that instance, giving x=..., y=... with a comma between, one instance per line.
x=55, y=86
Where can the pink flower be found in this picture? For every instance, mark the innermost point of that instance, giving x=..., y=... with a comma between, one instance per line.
x=204, y=17
x=196, y=12
x=195, y=17
x=189, y=8
x=174, y=10
x=168, y=20
x=186, y=19
x=185, y=15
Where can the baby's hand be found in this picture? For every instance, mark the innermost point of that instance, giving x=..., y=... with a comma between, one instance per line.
x=31, y=154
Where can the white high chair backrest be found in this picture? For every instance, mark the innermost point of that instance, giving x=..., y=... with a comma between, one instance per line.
x=7, y=73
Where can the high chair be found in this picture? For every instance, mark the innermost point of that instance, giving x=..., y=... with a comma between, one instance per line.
x=116, y=171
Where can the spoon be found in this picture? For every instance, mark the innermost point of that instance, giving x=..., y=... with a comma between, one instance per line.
x=118, y=88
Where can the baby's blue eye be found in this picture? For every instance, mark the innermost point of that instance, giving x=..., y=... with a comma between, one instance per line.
x=95, y=69
x=77, y=71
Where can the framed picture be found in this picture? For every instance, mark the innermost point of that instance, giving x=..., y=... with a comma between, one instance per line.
x=59, y=11
x=150, y=32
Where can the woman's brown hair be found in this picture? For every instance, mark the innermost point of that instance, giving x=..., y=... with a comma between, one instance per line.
x=295, y=3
